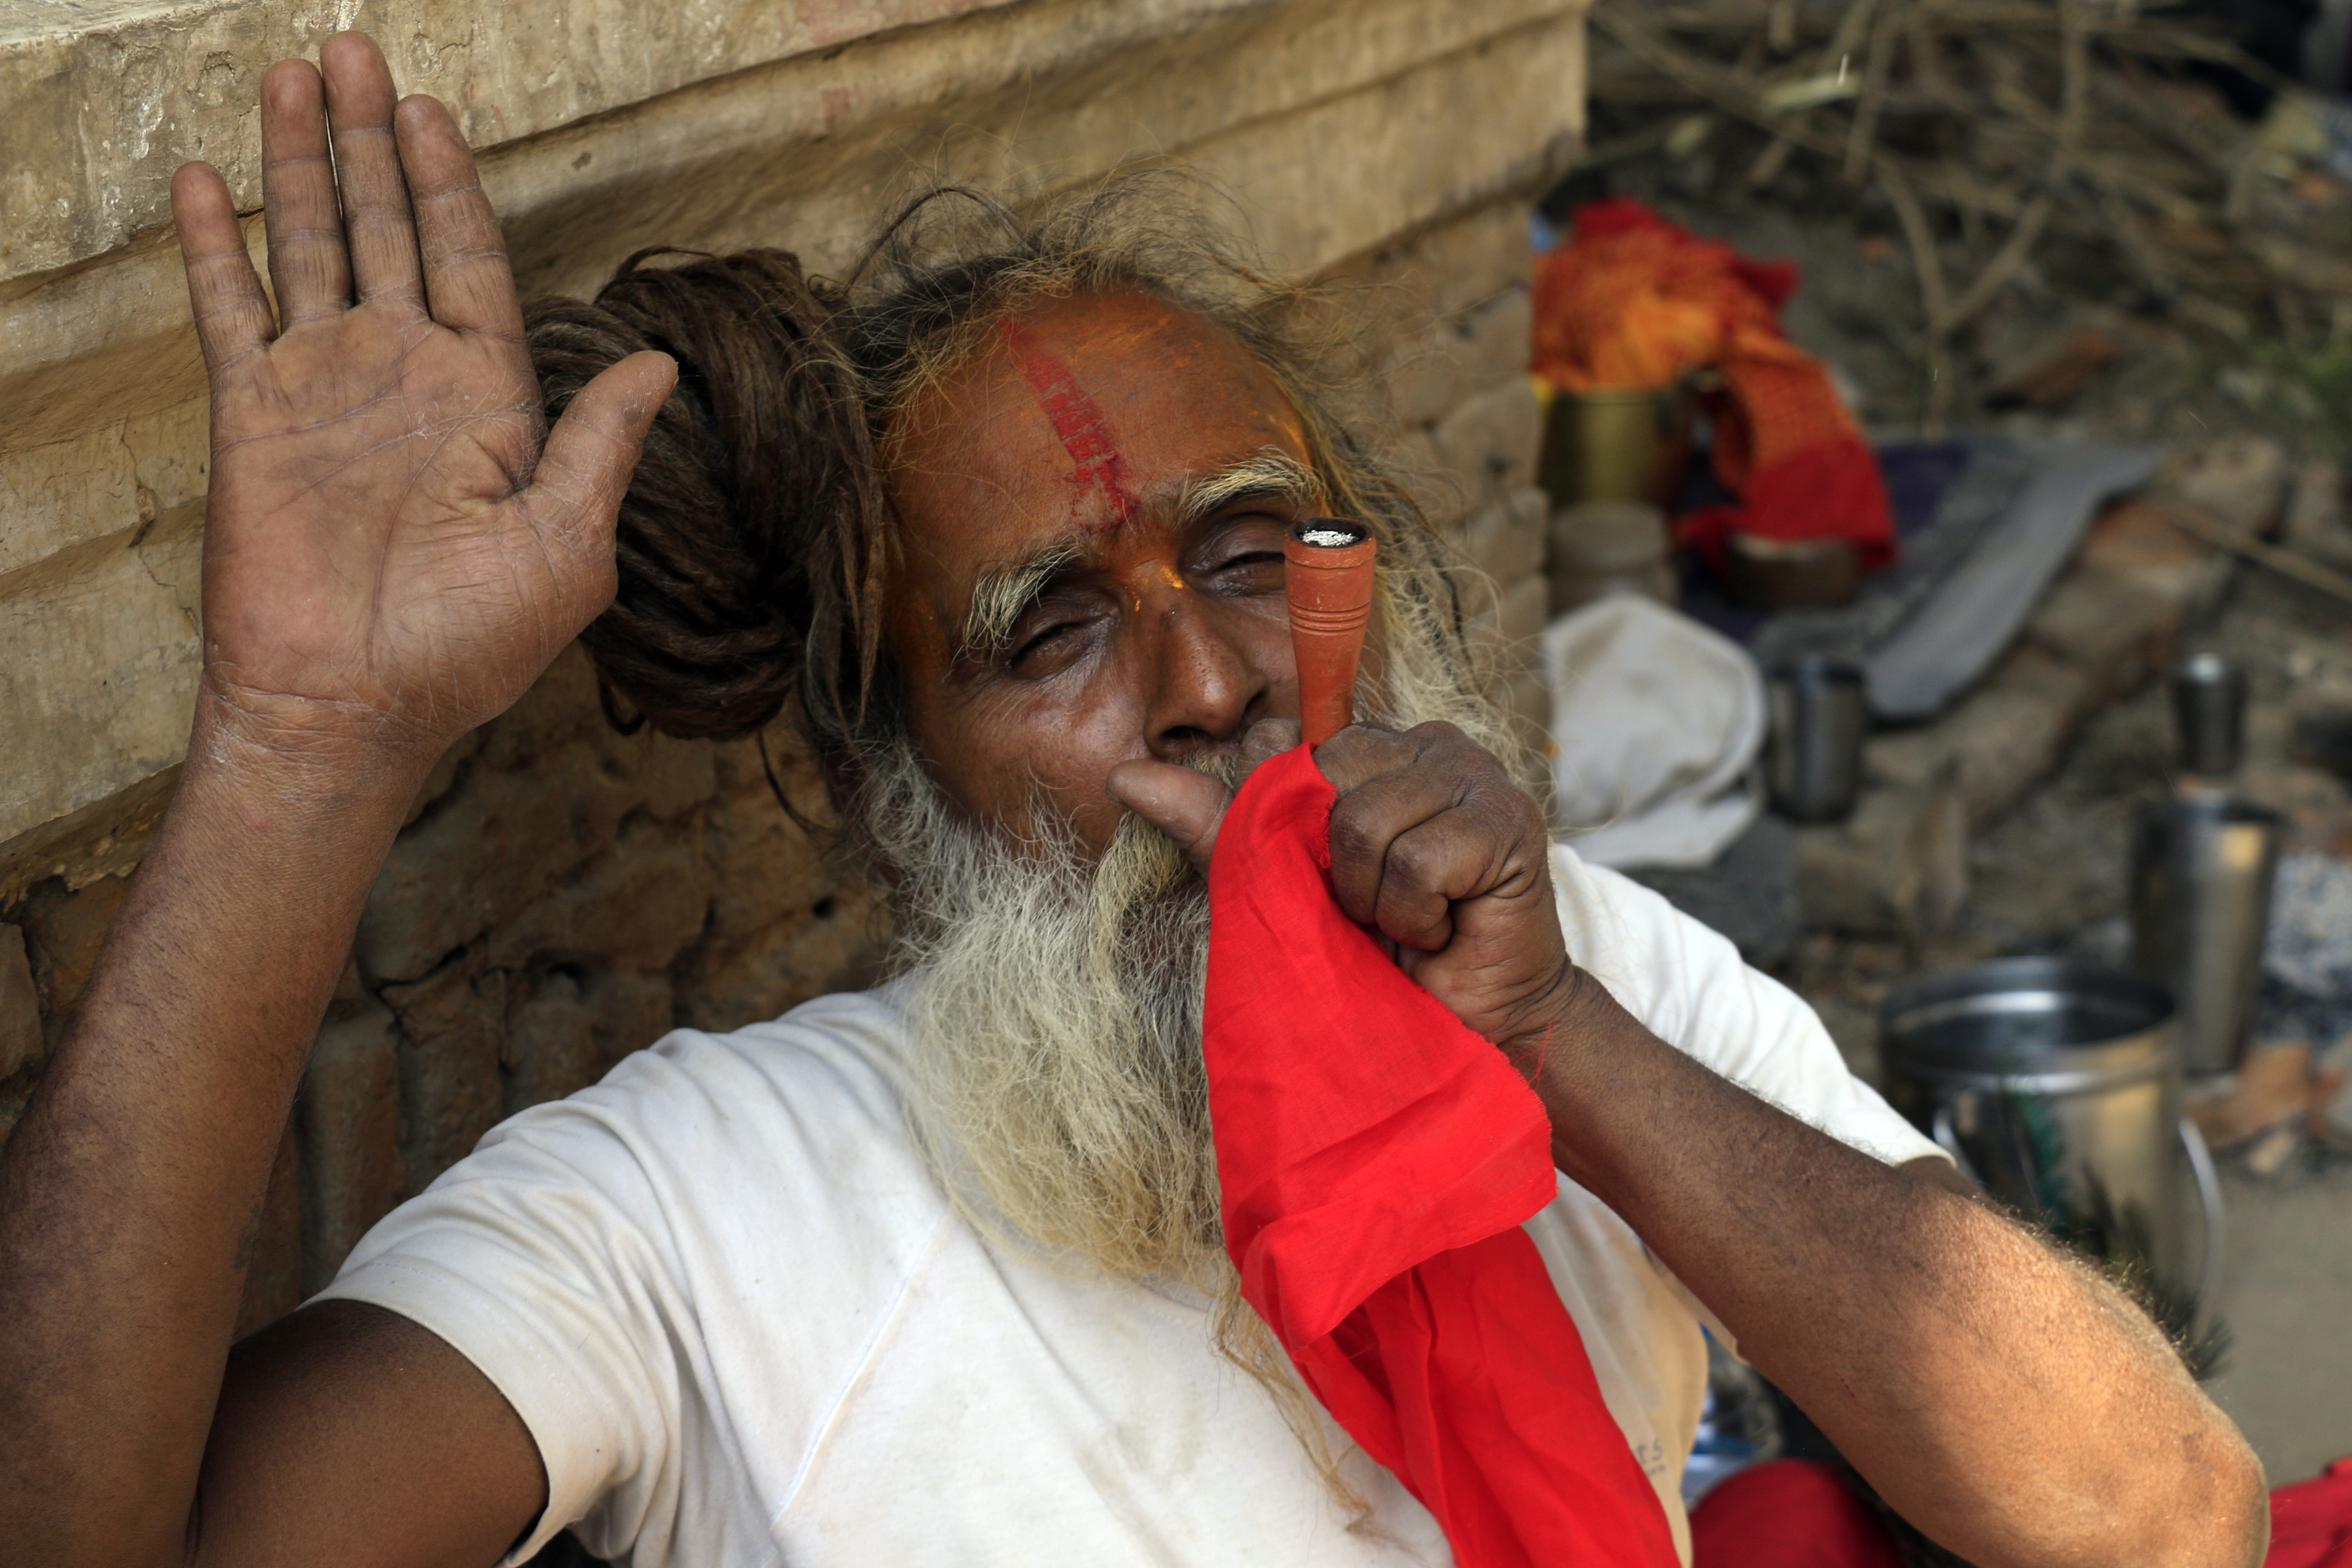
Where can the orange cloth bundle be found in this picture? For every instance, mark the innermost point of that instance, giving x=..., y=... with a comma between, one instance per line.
x=1634, y=301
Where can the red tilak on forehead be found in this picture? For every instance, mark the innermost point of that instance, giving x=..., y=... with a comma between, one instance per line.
x=1085, y=434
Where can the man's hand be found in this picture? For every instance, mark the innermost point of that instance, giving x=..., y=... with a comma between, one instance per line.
x=1432, y=846
x=392, y=554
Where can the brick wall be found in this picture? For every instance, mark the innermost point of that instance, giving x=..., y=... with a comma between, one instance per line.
x=564, y=894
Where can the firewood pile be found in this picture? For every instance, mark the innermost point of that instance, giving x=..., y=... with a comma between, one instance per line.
x=2006, y=135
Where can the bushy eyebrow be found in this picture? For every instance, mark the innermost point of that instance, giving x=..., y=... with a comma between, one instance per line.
x=1270, y=471
x=1003, y=591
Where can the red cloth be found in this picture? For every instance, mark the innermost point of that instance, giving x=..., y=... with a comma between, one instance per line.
x=1633, y=300
x=1794, y=1513
x=1377, y=1159
x=1788, y=1513
x=2311, y=1521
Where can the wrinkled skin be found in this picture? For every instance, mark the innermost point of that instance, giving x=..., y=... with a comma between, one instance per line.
x=394, y=551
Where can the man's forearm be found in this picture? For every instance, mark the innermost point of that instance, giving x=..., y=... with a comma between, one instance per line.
x=127, y=1190
x=1982, y=1382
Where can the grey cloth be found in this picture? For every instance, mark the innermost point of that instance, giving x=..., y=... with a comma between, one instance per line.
x=1939, y=651
x=1925, y=630
x=1995, y=473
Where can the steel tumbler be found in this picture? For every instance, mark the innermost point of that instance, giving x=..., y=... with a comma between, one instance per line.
x=2202, y=869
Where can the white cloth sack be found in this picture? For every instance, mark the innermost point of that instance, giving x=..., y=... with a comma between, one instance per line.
x=1656, y=722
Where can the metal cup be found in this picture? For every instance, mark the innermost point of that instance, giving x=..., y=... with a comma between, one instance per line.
x=1812, y=758
x=1617, y=444
x=2056, y=1084
x=2201, y=871
x=2209, y=712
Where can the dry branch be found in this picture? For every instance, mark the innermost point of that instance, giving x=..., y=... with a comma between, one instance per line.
x=2021, y=120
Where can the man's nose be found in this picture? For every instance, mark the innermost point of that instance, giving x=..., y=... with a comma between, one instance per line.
x=1203, y=687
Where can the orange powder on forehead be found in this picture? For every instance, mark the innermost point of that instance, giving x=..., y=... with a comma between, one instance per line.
x=1098, y=467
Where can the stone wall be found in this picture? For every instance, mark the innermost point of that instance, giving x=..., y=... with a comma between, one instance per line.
x=564, y=894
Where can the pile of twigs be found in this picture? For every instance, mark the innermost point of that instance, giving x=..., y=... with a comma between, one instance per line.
x=1996, y=126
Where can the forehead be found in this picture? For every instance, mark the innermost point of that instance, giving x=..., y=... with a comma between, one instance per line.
x=1091, y=413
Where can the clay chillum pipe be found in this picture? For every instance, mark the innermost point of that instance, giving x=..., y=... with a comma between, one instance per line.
x=1328, y=581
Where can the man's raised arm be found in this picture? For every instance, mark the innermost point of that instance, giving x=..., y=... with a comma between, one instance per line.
x=390, y=557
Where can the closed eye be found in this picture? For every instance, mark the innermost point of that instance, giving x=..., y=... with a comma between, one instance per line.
x=1042, y=640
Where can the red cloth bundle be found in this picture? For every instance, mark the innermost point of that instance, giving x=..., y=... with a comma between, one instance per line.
x=2311, y=1521
x=1788, y=1513
x=1634, y=301
x=1377, y=1159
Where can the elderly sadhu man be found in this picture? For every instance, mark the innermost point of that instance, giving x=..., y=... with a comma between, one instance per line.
x=933, y=1273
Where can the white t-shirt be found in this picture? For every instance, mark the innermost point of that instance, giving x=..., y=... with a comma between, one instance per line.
x=725, y=1295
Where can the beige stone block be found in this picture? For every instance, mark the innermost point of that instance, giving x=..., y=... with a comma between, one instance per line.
x=116, y=479
x=1997, y=743
x=1491, y=342
x=104, y=102
x=2107, y=627
x=1426, y=476
x=1488, y=443
x=99, y=662
x=1899, y=864
x=1526, y=698
x=1337, y=177
x=1446, y=268
x=810, y=151
x=1424, y=379
x=1435, y=369
x=1506, y=541
x=1520, y=620
x=105, y=838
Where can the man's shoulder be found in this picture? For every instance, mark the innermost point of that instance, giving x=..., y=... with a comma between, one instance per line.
x=848, y=1045
x=811, y=1097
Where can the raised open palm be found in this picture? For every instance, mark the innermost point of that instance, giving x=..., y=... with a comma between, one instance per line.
x=396, y=545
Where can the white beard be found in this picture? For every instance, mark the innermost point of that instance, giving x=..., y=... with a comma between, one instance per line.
x=1054, y=1071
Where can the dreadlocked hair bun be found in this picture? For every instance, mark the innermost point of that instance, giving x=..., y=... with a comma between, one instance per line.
x=742, y=537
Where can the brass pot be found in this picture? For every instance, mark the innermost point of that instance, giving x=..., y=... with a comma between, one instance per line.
x=1618, y=444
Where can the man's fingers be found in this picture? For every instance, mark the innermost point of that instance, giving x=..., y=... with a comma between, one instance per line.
x=308, y=267
x=383, y=234
x=593, y=450
x=1445, y=860
x=232, y=313
x=1367, y=821
x=467, y=277
x=1186, y=804
x=1360, y=754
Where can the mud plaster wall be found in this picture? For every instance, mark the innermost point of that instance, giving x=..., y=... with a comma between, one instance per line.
x=562, y=894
